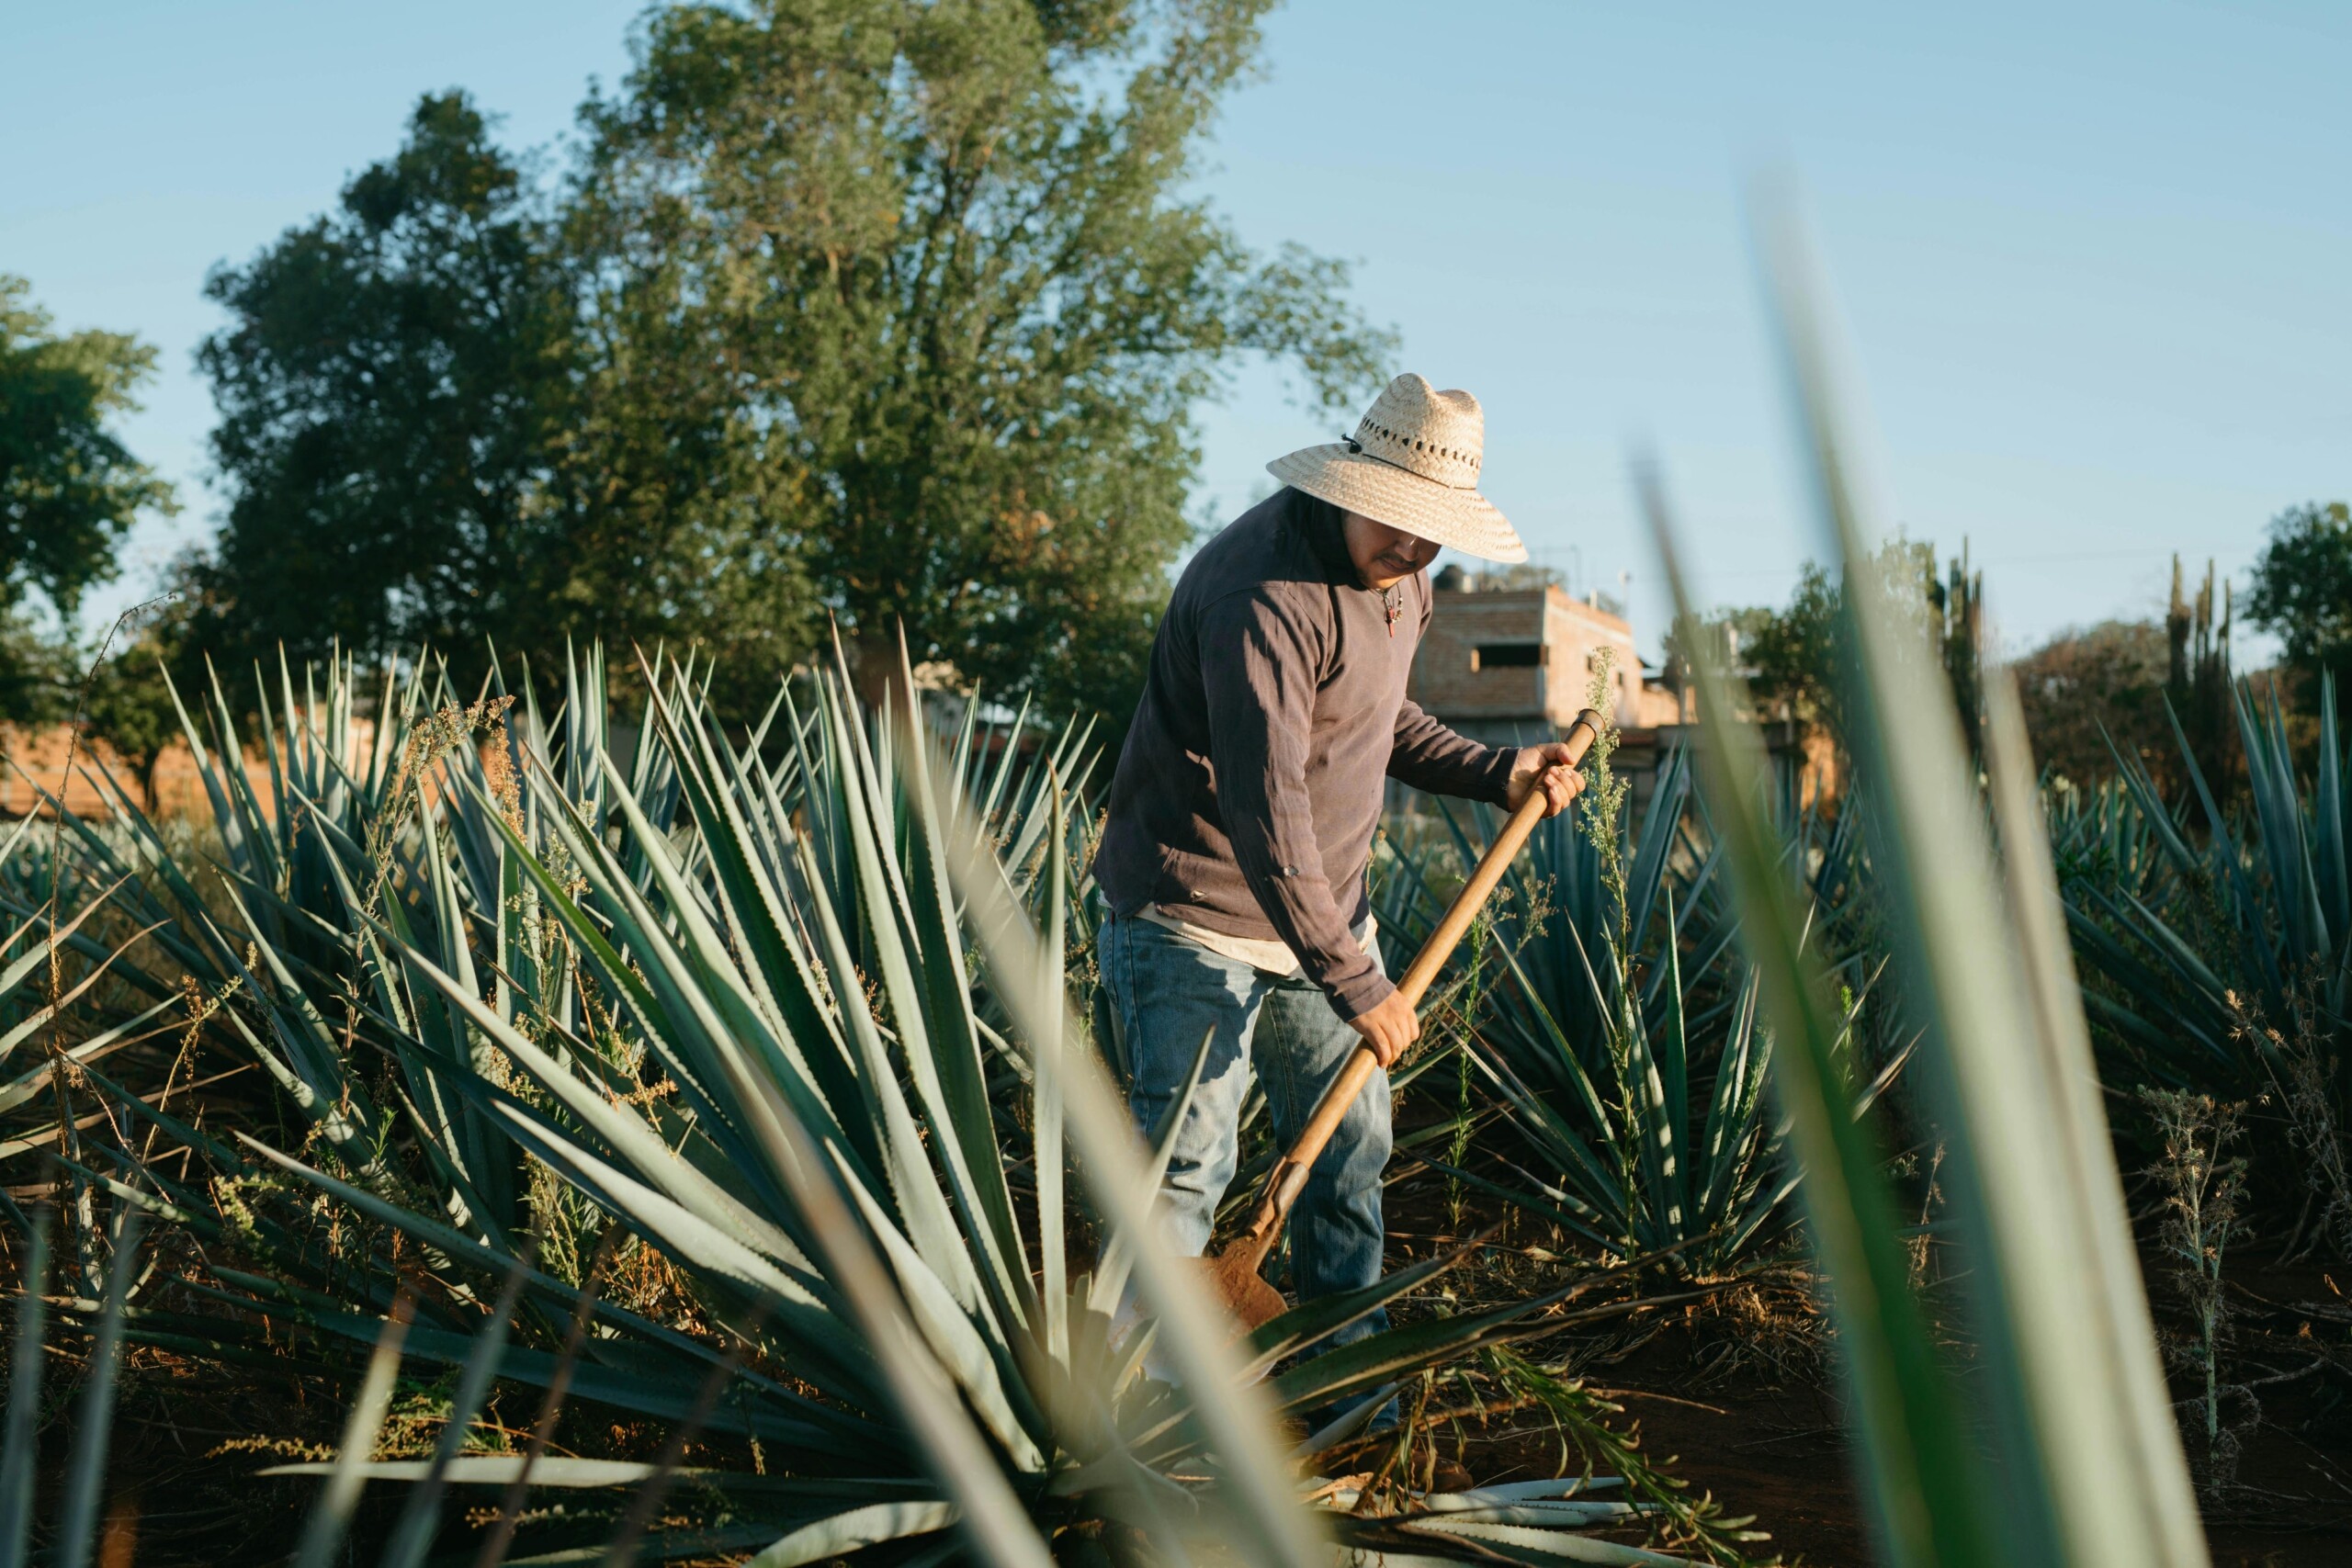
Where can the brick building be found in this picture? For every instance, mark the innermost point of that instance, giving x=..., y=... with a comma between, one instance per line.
x=1515, y=664
x=1508, y=665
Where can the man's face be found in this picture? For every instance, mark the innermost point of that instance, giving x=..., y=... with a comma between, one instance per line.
x=1385, y=556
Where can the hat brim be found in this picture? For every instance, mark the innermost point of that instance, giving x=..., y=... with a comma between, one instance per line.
x=1459, y=519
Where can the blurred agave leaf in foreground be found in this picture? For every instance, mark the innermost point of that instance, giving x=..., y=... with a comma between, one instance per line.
x=2080, y=1461
x=1925, y=1483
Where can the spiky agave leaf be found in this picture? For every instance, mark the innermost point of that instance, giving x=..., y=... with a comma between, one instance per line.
x=2085, y=1464
x=56, y=964
x=1928, y=1492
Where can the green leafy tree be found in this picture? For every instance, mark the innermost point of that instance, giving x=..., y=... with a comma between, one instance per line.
x=2303, y=593
x=393, y=385
x=886, y=311
x=2130, y=682
x=1790, y=654
x=69, y=490
x=129, y=706
x=2082, y=687
x=929, y=276
x=37, y=667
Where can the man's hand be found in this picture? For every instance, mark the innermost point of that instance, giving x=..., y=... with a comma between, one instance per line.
x=1548, y=768
x=1388, y=1028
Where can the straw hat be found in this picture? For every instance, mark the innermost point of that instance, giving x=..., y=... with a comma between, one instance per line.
x=1412, y=464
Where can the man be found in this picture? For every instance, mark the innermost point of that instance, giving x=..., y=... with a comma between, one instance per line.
x=1242, y=814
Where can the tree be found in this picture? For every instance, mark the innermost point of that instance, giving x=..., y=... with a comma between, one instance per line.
x=2084, y=686
x=2145, y=687
x=37, y=669
x=927, y=273
x=1790, y=654
x=888, y=311
x=2303, y=593
x=69, y=489
x=393, y=386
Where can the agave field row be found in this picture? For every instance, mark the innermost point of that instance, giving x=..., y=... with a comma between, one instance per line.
x=616, y=1135
x=680, y=1078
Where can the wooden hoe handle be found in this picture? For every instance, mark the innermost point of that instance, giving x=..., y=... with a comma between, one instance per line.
x=1289, y=1175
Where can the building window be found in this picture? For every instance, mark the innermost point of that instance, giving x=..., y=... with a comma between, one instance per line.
x=1507, y=656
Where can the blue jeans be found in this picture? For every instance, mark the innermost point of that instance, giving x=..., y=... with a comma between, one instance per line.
x=1165, y=993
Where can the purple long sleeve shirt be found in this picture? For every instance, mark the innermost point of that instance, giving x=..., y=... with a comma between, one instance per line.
x=1250, y=783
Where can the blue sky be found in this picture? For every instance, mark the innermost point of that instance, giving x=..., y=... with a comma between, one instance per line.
x=2092, y=258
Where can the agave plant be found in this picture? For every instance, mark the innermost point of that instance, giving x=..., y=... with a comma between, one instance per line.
x=2216, y=955
x=1619, y=1034
x=2218, y=963
x=663, y=1076
x=48, y=965
x=73, y=994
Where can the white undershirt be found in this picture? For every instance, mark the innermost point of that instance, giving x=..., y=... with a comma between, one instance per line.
x=1270, y=955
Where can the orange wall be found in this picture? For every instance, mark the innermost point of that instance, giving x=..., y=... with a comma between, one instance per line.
x=42, y=754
